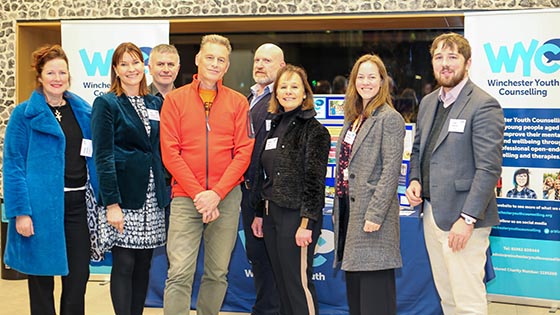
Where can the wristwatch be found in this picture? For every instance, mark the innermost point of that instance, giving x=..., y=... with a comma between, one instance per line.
x=468, y=219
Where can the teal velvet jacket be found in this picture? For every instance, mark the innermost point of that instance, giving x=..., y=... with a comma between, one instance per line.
x=33, y=171
x=123, y=152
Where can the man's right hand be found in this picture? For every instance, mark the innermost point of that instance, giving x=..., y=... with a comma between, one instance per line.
x=414, y=193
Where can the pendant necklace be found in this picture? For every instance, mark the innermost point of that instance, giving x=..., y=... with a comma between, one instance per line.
x=57, y=113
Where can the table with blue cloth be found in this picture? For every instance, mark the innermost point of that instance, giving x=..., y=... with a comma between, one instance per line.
x=416, y=293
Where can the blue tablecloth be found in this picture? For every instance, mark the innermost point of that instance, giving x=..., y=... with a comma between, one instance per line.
x=416, y=293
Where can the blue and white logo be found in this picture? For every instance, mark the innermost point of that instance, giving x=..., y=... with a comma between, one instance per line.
x=325, y=245
x=545, y=58
x=98, y=62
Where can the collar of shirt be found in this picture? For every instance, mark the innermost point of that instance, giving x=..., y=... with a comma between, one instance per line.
x=451, y=96
x=154, y=91
x=255, y=89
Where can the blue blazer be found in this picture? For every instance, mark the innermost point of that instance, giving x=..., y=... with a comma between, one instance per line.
x=33, y=165
x=124, y=153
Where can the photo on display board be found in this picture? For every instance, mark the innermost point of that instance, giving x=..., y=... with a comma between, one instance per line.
x=336, y=107
x=529, y=183
x=551, y=185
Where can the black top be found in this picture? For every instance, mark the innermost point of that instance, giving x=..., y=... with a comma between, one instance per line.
x=268, y=156
x=75, y=171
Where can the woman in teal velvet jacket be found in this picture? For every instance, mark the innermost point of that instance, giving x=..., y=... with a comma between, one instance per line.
x=126, y=150
x=45, y=168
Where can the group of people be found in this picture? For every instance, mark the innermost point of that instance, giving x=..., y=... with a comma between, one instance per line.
x=551, y=188
x=265, y=154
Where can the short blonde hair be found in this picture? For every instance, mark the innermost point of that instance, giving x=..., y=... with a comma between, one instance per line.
x=216, y=39
x=164, y=49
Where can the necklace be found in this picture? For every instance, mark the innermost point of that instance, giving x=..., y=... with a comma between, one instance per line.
x=57, y=113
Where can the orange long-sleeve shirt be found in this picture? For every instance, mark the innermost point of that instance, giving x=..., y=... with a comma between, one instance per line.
x=205, y=152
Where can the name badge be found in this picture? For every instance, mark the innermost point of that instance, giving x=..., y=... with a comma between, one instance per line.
x=271, y=143
x=87, y=148
x=267, y=124
x=457, y=125
x=345, y=174
x=153, y=114
x=350, y=137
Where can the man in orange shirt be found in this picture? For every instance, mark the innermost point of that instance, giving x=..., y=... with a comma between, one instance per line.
x=206, y=146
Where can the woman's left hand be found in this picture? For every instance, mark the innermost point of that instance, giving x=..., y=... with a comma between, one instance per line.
x=303, y=237
x=371, y=227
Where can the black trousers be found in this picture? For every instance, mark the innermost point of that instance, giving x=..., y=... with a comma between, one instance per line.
x=129, y=279
x=292, y=265
x=267, y=301
x=77, y=250
x=371, y=292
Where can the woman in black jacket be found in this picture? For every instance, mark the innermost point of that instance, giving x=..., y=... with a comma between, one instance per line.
x=293, y=165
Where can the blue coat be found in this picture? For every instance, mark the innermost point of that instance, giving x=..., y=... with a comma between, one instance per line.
x=124, y=153
x=33, y=165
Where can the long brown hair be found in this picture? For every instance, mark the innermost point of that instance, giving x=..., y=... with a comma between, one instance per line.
x=353, y=104
x=290, y=70
x=133, y=50
x=43, y=55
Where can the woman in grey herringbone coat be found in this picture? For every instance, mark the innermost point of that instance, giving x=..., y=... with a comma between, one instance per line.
x=366, y=208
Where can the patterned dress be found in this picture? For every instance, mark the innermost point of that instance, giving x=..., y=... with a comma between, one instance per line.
x=143, y=228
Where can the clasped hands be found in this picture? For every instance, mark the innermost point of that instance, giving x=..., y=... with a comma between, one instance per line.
x=206, y=203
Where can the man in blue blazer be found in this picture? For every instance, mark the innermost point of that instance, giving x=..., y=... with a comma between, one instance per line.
x=455, y=165
x=268, y=59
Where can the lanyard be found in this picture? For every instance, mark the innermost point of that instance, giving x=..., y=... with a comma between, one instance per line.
x=357, y=124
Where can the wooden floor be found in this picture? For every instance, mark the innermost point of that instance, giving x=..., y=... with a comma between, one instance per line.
x=13, y=301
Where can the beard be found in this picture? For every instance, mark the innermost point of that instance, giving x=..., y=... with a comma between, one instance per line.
x=449, y=82
x=264, y=80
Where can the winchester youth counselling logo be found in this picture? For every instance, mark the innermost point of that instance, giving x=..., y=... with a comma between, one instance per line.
x=545, y=58
x=529, y=56
x=99, y=62
x=97, y=66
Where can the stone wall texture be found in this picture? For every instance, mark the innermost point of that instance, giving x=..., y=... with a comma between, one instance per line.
x=12, y=11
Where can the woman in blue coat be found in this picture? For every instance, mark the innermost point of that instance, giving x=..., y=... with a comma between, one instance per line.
x=125, y=126
x=47, y=160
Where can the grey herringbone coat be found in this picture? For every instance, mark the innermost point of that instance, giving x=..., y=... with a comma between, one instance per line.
x=373, y=169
